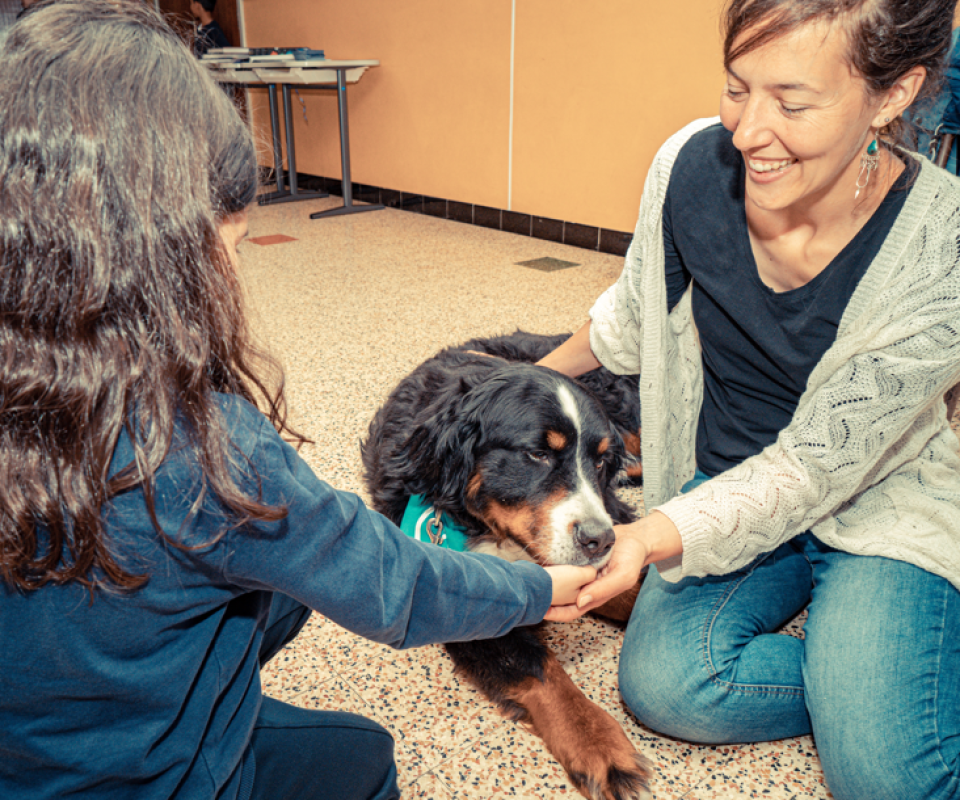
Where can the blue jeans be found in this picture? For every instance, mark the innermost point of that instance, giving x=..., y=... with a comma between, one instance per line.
x=876, y=680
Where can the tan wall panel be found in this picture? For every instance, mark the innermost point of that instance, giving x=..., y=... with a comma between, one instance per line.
x=432, y=119
x=598, y=88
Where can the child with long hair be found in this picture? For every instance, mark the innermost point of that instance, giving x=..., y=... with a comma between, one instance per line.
x=159, y=539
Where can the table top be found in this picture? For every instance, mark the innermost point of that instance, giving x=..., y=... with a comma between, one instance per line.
x=290, y=71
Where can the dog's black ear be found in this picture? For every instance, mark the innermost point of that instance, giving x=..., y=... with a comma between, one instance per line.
x=450, y=440
x=455, y=457
x=436, y=458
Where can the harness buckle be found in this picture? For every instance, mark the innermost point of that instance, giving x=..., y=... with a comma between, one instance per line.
x=435, y=529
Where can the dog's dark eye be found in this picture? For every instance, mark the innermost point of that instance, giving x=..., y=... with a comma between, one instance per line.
x=539, y=456
x=600, y=465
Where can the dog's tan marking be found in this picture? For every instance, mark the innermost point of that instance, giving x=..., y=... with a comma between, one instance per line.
x=634, y=470
x=585, y=739
x=522, y=525
x=632, y=443
x=516, y=523
x=518, y=520
x=507, y=549
x=473, y=486
x=556, y=440
x=604, y=445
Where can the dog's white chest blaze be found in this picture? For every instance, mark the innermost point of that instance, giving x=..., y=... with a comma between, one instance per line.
x=584, y=503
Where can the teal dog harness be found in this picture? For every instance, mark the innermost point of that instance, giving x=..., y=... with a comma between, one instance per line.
x=423, y=522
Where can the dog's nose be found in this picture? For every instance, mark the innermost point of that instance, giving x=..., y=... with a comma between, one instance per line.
x=595, y=541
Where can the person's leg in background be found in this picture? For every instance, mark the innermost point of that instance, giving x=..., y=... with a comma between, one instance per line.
x=304, y=754
x=882, y=674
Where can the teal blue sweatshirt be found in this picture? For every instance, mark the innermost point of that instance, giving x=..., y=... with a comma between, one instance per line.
x=154, y=693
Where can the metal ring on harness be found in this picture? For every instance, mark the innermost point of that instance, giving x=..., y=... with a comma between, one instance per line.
x=435, y=529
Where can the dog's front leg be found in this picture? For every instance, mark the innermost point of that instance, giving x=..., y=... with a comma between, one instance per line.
x=524, y=677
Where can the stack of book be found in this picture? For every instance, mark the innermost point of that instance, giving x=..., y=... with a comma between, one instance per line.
x=261, y=55
x=226, y=55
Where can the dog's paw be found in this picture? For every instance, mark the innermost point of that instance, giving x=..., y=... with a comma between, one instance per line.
x=621, y=782
x=588, y=742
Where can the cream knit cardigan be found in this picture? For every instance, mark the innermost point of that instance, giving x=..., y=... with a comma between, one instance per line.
x=868, y=462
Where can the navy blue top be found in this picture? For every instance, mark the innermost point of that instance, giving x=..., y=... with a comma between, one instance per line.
x=759, y=346
x=209, y=37
x=154, y=693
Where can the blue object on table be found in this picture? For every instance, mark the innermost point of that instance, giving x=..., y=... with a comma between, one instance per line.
x=306, y=54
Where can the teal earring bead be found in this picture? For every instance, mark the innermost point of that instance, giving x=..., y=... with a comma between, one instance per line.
x=868, y=163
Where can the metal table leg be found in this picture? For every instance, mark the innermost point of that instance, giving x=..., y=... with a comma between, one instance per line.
x=294, y=192
x=275, y=134
x=348, y=207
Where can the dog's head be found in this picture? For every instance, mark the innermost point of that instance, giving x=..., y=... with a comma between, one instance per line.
x=531, y=456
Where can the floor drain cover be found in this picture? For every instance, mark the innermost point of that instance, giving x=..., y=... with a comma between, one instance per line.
x=547, y=264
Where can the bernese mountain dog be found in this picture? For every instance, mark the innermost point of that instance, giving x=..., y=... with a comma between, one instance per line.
x=525, y=462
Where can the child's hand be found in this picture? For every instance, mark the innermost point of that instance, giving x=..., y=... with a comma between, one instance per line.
x=567, y=582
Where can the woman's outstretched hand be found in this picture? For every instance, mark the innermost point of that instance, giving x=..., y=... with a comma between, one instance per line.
x=621, y=572
x=649, y=539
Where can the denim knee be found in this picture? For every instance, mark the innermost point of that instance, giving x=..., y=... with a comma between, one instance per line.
x=312, y=754
x=694, y=666
x=665, y=692
x=647, y=690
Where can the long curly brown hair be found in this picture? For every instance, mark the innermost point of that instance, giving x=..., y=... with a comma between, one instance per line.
x=119, y=309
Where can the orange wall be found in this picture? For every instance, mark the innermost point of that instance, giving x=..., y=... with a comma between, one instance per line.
x=597, y=87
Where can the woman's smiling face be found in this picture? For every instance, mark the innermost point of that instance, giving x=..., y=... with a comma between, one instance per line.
x=800, y=116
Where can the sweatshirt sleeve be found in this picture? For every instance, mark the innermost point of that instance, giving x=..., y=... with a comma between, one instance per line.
x=354, y=566
x=871, y=408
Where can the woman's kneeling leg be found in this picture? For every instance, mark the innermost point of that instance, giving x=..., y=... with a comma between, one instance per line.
x=699, y=661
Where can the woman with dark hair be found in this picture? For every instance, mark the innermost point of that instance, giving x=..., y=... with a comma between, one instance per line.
x=159, y=540
x=791, y=301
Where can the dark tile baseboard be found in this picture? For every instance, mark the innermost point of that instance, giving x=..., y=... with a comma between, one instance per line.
x=587, y=237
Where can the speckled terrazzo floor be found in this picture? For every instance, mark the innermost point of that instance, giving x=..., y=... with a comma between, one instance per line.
x=350, y=306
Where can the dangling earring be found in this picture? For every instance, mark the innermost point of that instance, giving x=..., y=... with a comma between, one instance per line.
x=868, y=163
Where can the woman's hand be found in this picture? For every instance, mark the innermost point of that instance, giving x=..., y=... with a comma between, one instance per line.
x=640, y=543
x=567, y=583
